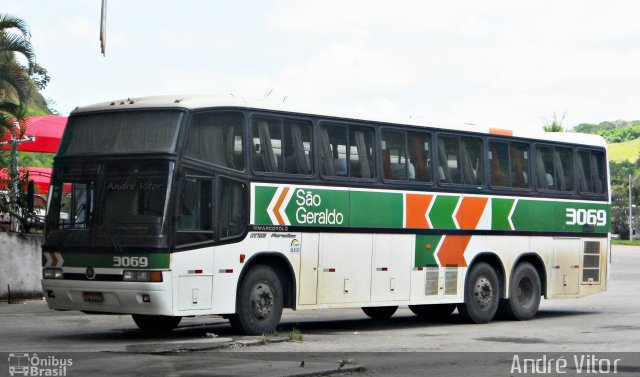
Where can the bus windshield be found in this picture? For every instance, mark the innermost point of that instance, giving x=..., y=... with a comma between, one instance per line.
x=121, y=132
x=114, y=204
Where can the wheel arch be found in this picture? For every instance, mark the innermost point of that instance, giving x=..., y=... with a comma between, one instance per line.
x=281, y=266
x=537, y=263
x=495, y=262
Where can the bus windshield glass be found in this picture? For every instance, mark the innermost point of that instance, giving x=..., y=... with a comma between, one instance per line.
x=113, y=204
x=121, y=132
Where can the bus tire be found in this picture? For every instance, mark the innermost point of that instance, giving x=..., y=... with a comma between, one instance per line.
x=155, y=323
x=437, y=313
x=481, y=294
x=525, y=292
x=259, y=302
x=379, y=312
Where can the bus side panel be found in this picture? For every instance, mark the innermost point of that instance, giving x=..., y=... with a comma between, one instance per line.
x=391, y=267
x=192, y=274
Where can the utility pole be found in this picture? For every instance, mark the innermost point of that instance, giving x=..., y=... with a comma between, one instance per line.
x=630, y=213
x=15, y=181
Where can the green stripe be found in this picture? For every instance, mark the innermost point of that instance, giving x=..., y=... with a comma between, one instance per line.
x=106, y=260
x=376, y=209
x=425, y=250
x=500, y=209
x=442, y=211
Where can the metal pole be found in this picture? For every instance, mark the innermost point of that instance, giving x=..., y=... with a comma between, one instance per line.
x=630, y=213
x=14, y=183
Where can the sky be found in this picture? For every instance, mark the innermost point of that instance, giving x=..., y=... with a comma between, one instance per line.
x=509, y=64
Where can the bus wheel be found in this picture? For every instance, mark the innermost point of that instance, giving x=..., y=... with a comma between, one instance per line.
x=155, y=323
x=481, y=294
x=259, y=302
x=379, y=312
x=437, y=313
x=525, y=291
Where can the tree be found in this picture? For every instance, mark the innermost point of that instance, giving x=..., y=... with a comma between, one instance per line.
x=555, y=125
x=16, y=78
x=20, y=75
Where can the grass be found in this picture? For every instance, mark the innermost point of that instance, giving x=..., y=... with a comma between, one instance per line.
x=295, y=336
x=627, y=150
x=625, y=242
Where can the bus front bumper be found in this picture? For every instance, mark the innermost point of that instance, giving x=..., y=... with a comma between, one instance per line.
x=109, y=296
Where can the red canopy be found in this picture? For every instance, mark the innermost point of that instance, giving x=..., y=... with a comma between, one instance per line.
x=41, y=178
x=47, y=130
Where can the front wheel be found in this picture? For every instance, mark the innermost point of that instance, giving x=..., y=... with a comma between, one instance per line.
x=525, y=291
x=379, y=312
x=481, y=294
x=259, y=302
x=155, y=323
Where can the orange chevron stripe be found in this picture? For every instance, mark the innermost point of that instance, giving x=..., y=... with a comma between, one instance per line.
x=451, y=253
x=276, y=208
x=470, y=211
x=416, y=209
x=54, y=259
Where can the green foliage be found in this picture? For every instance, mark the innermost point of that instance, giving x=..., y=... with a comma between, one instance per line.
x=555, y=125
x=613, y=132
x=36, y=160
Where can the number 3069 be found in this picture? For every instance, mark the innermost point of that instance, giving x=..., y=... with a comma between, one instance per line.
x=130, y=262
x=586, y=217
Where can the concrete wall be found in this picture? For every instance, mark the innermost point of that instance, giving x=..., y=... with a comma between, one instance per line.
x=20, y=265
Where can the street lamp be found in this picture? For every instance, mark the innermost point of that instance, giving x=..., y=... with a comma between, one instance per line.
x=630, y=209
x=14, y=142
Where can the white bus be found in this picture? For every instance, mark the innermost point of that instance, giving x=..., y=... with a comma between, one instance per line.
x=168, y=207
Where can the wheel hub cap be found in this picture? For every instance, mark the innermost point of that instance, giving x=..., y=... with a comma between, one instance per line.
x=261, y=301
x=483, y=293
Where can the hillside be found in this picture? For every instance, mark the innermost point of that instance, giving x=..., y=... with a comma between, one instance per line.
x=627, y=150
x=623, y=138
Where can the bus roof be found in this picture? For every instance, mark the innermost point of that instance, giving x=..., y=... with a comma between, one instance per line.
x=193, y=102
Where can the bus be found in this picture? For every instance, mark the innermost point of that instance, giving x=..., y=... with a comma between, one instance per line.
x=166, y=207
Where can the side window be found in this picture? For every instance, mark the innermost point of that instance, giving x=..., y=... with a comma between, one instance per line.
x=519, y=165
x=196, y=211
x=554, y=168
x=406, y=155
x=509, y=164
x=347, y=151
x=232, y=208
x=564, y=168
x=590, y=172
x=460, y=160
x=217, y=138
x=499, y=164
x=281, y=146
x=545, y=172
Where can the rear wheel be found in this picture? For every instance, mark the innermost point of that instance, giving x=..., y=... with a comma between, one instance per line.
x=155, y=323
x=379, y=312
x=481, y=294
x=259, y=302
x=433, y=312
x=525, y=291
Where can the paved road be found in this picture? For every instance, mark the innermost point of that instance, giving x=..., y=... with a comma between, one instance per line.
x=108, y=345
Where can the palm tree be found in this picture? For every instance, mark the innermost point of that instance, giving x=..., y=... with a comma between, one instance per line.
x=15, y=81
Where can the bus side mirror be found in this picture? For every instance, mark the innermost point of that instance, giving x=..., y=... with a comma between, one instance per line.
x=189, y=189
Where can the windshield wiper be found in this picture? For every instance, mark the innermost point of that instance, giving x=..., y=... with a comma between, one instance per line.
x=106, y=224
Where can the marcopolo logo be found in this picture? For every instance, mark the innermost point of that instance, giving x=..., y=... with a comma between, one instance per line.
x=25, y=364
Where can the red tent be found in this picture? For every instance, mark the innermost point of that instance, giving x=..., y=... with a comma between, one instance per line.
x=47, y=130
x=41, y=178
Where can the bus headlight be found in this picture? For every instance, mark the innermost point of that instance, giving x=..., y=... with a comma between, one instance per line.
x=134, y=275
x=52, y=273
